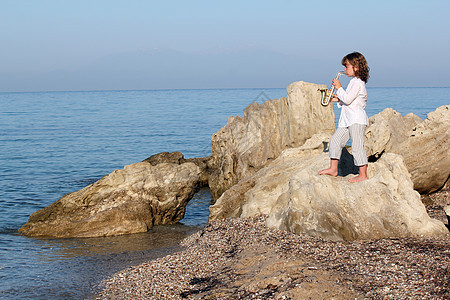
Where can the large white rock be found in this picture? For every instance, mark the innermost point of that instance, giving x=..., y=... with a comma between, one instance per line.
x=126, y=201
x=247, y=144
x=387, y=130
x=427, y=151
x=296, y=199
x=424, y=145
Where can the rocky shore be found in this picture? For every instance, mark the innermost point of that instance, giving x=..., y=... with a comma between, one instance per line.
x=266, y=163
x=243, y=259
x=278, y=229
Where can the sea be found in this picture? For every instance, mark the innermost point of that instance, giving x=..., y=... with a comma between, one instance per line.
x=54, y=143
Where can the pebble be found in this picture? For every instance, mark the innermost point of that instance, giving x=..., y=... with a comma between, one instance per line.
x=394, y=268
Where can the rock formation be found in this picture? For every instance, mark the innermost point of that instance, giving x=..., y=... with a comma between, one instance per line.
x=424, y=145
x=387, y=130
x=130, y=200
x=178, y=158
x=247, y=144
x=296, y=199
x=266, y=162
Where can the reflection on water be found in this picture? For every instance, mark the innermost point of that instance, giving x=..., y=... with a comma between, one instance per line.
x=72, y=268
x=158, y=237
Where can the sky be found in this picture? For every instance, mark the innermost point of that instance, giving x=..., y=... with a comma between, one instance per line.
x=57, y=45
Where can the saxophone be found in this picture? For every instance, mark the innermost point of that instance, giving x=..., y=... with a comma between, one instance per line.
x=328, y=93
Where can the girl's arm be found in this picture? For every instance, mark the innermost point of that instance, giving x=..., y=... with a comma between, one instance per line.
x=349, y=95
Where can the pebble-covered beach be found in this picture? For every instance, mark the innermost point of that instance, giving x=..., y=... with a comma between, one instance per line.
x=243, y=259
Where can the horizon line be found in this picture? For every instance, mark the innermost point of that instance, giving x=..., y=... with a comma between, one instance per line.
x=193, y=89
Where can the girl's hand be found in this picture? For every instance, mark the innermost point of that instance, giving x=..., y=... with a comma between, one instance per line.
x=337, y=84
x=334, y=98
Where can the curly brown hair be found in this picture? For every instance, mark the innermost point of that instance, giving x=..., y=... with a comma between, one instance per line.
x=358, y=60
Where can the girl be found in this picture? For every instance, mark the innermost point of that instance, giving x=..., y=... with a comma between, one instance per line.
x=353, y=119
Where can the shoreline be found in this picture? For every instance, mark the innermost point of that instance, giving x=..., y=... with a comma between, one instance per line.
x=241, y=258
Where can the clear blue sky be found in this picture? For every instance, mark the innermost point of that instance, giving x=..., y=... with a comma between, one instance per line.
x=133, y=44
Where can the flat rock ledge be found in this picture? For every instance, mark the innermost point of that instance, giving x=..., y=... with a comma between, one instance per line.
x=243, y=259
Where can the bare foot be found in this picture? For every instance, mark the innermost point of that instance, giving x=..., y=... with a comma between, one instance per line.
x=328, y=171
x=358, y=178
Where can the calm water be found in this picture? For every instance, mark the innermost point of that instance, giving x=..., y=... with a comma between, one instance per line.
x=53, y=143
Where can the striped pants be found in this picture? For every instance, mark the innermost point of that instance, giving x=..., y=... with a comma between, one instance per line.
x=340, y=138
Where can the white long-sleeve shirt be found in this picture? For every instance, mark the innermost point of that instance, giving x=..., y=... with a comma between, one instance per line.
x=352, y=102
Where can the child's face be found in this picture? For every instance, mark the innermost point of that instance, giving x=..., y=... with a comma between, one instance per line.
x=350, y=70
